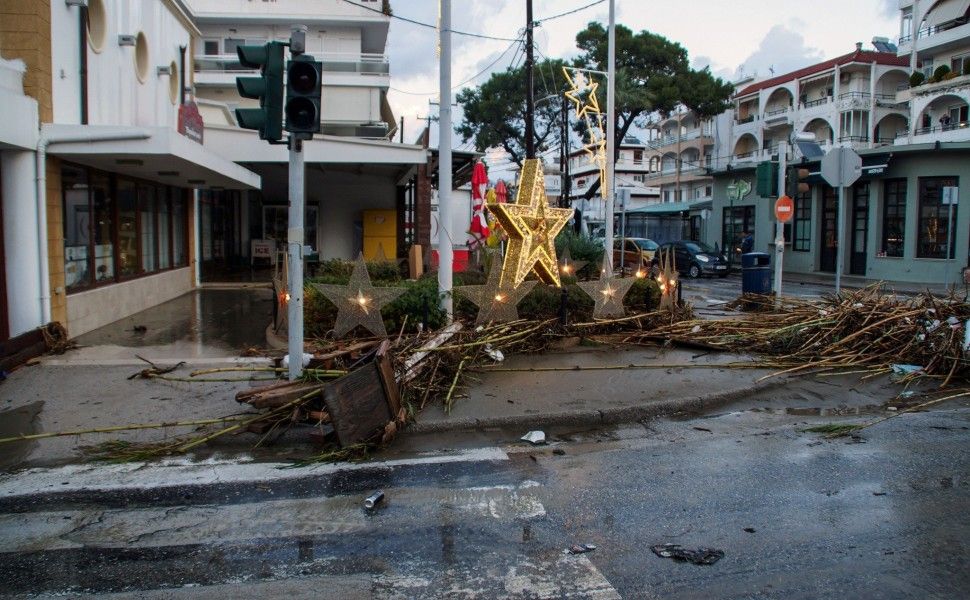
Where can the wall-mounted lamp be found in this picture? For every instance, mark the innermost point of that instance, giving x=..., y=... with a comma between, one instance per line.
x=126, y=40
x=163, y=71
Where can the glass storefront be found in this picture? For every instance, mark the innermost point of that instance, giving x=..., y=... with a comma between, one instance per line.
x=117, y=228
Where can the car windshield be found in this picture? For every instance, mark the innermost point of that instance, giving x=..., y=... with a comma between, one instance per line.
x=646, y=244
x=699, y=248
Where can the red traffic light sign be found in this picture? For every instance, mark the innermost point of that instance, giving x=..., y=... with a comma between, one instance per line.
x=784, y=209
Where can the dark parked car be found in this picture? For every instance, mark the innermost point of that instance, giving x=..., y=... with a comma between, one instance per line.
x=693, y=259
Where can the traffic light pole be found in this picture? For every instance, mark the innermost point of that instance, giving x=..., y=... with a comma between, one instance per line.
x=779, y=226
x=294, y=241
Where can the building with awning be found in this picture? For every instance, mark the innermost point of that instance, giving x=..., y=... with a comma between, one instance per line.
x=668, y=221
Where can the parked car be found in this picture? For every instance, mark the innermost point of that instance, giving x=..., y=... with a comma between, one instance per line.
x=693, y=259
x=636, y=253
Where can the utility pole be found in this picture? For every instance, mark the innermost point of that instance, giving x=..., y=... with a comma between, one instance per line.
x=445, y=249
x=564, y=153
x=610, y=131
x=530, y=102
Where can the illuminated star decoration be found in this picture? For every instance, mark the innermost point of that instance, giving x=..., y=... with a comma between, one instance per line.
x=607, y=292
x=496, y=303
x=667, y=280
x=532, y=226
x=568, y=266
x=358, y=302
x=582, y=93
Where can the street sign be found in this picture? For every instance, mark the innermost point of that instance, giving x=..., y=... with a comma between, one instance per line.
x=841, y=167
x=951, y=195
x=784, y=209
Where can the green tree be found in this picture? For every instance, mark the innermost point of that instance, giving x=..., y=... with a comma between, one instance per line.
x=494, y=112
x=653, y=75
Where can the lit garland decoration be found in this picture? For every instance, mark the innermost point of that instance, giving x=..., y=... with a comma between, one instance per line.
x=358, y=302
x=496, y=303
x=607, y=292
x=582, y=93
x=532, y=226
x=667, y=280
x=568, y=266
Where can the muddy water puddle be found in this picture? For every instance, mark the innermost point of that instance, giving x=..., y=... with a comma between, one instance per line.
x=15, y=422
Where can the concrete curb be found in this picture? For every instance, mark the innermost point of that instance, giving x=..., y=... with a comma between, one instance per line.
x=611, y=416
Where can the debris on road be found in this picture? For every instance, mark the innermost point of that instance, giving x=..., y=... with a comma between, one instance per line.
x=534, y=437
x=373, y=500
x=699, y=556
x=580, y=549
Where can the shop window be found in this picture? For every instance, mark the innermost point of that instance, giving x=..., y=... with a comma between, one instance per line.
x=275, y=218
x=936, y=234
x=893, y=217
x=129, y=262
x=734, y=223
x=78, y=273
x=164, y=230
x=210, y=47
x=180, y=247
x=146, y=225
x=103, y=226
x=802, y=223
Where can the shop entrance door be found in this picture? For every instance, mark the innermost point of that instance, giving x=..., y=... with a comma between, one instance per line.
x=828, y=232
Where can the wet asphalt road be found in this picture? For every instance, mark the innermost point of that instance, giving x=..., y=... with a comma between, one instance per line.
x=881, y=515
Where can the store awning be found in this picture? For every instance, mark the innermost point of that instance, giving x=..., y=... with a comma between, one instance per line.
x=670, y=208
x=164, y=156
x=875, y=165
x=945, y=12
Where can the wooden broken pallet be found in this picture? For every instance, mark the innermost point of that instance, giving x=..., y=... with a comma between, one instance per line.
x=277, y=395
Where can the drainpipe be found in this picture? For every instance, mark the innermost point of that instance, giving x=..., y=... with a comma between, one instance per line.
x=40, y=168
x=913, y=55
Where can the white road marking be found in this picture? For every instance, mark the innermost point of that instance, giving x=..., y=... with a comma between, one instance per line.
x=175, y=473
x=225, y=523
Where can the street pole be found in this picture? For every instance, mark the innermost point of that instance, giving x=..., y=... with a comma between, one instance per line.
x=779, y=226
x=445, y=249
x=564, y=152
x=839, y=237
x=950, y=236
x=610, y=131
x=294, y=241
x=530, y=103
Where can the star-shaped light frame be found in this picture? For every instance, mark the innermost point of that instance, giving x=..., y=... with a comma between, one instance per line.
x=568, y=266
x=532, y=226
x=580, y=85
x=359, y=302
x=607, y=292
x=496, y=303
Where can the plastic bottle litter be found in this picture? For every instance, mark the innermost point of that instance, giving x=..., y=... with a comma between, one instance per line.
x=534, y=437
x=373, y=500
x=306, y=360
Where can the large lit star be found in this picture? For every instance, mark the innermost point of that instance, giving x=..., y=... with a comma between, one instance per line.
x=607, y=292
x=582, y=93
x=532, y=226
x=358, y=302
x=496, y=303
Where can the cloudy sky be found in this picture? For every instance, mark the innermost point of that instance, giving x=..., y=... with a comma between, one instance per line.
x=749, y=36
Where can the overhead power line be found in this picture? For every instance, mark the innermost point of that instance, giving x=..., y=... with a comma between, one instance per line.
x=432, y=26
x=470, y=79
x=569, y=12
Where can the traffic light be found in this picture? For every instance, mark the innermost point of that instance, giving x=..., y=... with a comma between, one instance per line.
x=267, y=88
x=303, y=95
x=766, y=179
x=796, y=183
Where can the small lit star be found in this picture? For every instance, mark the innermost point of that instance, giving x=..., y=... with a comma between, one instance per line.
x=496, y=302
x=607, y=292
x=359, y=302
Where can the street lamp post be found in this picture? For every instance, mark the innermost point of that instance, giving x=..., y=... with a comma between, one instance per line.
x=732, y=191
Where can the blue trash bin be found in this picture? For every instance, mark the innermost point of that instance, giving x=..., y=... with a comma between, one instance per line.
x=756, y=273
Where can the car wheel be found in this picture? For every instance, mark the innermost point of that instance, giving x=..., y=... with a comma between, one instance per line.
x=694, y=271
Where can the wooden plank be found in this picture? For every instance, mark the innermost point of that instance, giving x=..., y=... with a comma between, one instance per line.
x=386, y=372
x=414, y=365
x=18, y=350
x=357, y=405
x=279, y=397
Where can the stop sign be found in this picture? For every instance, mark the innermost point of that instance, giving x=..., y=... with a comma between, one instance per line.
x=784, y=209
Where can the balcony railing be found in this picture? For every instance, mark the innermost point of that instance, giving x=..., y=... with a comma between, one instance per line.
x=854, y=138
x=333, y=62
x=819, y=102
x=747, y=119
x=940, y=128
x=930, y=31
x=777, y=111
x=854, y=95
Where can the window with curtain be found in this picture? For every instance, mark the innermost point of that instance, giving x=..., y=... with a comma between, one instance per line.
x=894, y=217
x=936, y=234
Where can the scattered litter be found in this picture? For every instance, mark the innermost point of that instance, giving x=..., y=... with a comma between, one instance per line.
x=534, y=437
x=580, y=549
x=749, y=529
x=966, y=336
x=700, y=556
x=858, y=305
x=559, y=452
x=703, y=429
x=695, y=329
x=906, y=394
x=879, y=493
x=933, y=326
x=891, y=408
x=900, y=371
x=373, y=500
x=139, y=329
x=306, y=360
x=495, y=355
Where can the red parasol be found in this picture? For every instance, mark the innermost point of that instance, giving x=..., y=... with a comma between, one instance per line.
x=501, y=192
x=478, y=230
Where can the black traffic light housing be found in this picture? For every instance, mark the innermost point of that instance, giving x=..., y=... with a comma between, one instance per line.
x=267, y=88
x=796, y=181
x=302, y=108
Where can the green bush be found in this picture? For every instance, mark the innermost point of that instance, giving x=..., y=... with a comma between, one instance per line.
x=581, y=248
x=917, y=79
x=941, y=72
x=331, y=271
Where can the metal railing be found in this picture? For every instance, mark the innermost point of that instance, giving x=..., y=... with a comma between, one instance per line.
x=860, y=95
x=333, y=62
x=819, y=102
x=777, y=111
x=853, y=138
x=929, y=31
x=747, y=119
x=940, y=128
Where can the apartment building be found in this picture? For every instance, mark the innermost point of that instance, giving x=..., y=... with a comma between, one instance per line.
x=100, y=160
x=910, y=130
x=352, y=166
